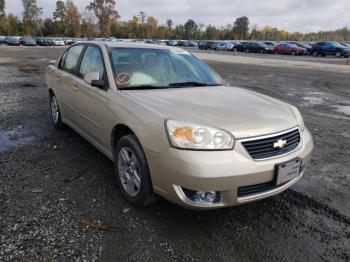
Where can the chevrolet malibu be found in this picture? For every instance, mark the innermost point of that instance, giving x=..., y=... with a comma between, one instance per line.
x=173, y=128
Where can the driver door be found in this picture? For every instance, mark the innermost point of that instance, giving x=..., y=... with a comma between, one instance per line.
x=91, y=102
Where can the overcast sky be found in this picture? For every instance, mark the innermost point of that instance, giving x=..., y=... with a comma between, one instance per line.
x=292, y=15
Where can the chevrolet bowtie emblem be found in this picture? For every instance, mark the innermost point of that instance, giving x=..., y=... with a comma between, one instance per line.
x=280, y=144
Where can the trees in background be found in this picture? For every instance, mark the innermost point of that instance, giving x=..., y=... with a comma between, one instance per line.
x=101, y=19
x=241, y=27
x=105, y=12
x=31, y=15
x=14, y=25
x=2, y=17
x=72, y=20
x=59, y=18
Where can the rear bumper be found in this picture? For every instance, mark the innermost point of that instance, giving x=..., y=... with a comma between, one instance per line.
x=221, y=171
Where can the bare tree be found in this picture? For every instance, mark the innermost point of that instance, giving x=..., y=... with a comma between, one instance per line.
x=143, y=17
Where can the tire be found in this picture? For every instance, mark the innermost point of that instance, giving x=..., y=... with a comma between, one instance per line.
x=323, y=55
x=293, y=53
x=55, y=112
x=338, y=54
x=132, y=172
x=314, y=53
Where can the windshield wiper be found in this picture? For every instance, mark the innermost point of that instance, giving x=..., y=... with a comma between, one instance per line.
x=191, y=83
x=142, y=87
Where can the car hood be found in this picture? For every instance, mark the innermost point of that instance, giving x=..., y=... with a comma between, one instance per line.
x=244, y=113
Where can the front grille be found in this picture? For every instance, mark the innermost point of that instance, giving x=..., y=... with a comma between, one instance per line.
x=262, y=148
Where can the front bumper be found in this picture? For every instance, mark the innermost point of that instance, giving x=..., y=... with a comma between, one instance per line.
x=223, y=171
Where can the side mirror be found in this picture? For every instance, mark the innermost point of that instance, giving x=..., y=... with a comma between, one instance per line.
x=93, y=79
x=89, y=77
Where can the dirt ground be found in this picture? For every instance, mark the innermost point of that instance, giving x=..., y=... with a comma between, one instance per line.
x=54, y=183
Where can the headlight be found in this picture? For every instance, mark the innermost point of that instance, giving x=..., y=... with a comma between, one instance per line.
x=191, y=136
x=298, y=117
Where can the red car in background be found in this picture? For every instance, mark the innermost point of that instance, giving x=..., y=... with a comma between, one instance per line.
x=289, y=49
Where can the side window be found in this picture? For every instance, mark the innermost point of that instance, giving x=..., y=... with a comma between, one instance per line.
x=92, y=62
x=60, y=65
x=71, y=61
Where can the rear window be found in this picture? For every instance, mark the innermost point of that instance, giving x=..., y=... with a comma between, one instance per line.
x=71, y=60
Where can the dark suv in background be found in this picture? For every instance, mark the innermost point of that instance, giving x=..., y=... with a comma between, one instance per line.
x=208, y=45
x=330, y=48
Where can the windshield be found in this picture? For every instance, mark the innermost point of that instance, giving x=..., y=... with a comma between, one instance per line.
x=160, y=68
x=336, y=44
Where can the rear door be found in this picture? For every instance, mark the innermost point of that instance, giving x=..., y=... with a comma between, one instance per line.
x=67, y=79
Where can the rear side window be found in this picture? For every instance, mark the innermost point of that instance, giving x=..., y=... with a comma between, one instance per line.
x=92, y=62
x=71, y=61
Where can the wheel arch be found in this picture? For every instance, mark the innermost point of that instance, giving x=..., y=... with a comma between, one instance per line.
x=118, y=132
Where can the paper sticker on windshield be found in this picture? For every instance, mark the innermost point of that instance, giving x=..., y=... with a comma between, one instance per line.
x=179, y=51
x=123, y=79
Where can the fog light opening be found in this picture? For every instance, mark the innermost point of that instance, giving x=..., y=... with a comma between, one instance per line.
x=202, y=197
x=208, y=197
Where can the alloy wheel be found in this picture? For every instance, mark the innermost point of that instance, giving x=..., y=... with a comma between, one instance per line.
x=129, y=171
x=55, y=112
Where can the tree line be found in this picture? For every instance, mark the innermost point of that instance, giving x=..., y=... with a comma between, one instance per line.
x=101, y=19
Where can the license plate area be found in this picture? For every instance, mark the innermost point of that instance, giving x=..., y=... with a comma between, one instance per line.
x=287, y=171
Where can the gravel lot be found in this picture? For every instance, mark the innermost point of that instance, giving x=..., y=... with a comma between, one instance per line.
x=55, y=188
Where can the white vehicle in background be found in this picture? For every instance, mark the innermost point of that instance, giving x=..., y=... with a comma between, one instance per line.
x=58, y=42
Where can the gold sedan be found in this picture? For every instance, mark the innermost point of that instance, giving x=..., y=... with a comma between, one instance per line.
x=173, y=128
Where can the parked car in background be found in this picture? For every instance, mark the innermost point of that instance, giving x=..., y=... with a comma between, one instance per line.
x=58, y=42
x=2, y=39
x=68, y=41
x=288, y=49
x=225, y=46
x=330, y=48
x=345, y=44
x=44, y=41
x=242, y=46
x=173, y=128
x=270, y=43
x=212, y=45
x=257, y=47
x=172, y=43
x=27, y=41
x=160, y=42
x=150, y=42
x=12, y=40
x=307, y=47
x=183, y=43
x=192, y=43
x=202, y=45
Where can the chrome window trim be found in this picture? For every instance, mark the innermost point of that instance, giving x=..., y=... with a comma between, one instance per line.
x=241, y=141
